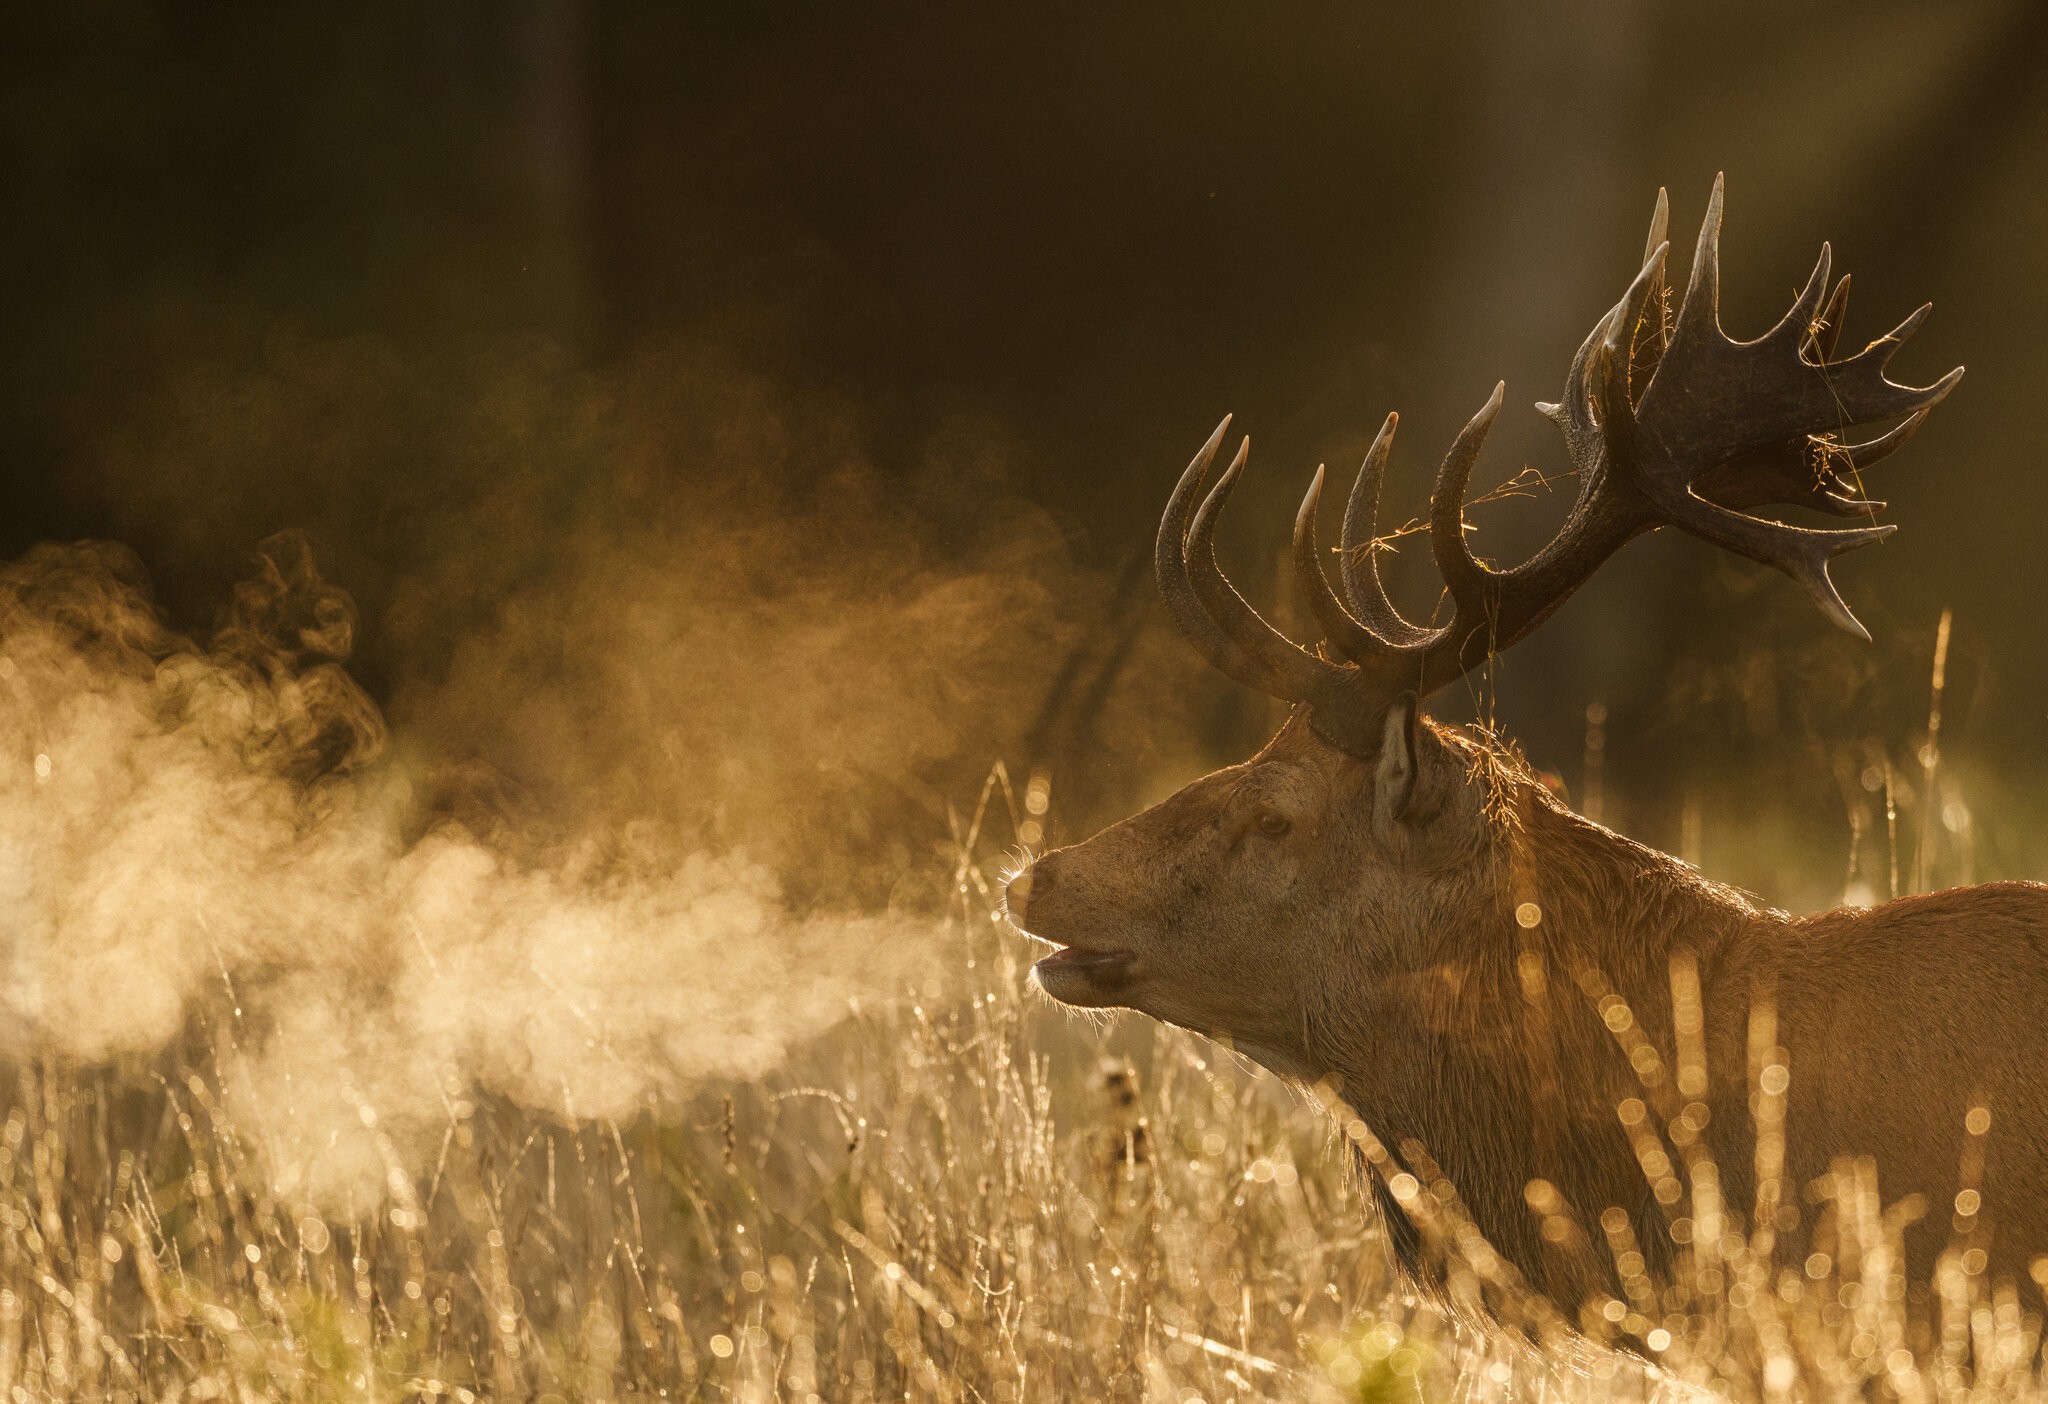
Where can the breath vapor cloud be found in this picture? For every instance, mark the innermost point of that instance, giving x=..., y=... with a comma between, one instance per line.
x=666, y=766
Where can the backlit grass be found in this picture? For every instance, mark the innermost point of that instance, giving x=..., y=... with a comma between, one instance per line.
x=967, y=1195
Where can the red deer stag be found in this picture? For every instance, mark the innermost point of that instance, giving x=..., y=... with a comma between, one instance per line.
x=1395, y=911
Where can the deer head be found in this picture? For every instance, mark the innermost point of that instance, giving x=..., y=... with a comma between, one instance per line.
x=1360, y=843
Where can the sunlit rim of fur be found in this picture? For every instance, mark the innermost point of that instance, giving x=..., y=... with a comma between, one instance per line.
x=1017, y=860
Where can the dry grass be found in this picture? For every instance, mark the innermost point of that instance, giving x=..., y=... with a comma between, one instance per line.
x=975, y=1202
x=970, y=1196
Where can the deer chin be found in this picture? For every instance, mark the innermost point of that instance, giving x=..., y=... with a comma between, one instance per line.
x=1086, y=979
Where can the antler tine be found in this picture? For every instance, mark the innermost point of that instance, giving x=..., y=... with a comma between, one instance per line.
x=1861, y=456
x=1604, y=375
x=1887, y=346
x=1660, y=224
x=1831, y=491
x=1649, y=338
x=1700, y=313
x=1827, y=331
x=1299, y=674
x=1607, y=369
x=1358, y=550
x=1350, y=637
x=1799, y=552
x=1799, y=321
x=1573, y=415
x=1465, y=578
x=1177, y=586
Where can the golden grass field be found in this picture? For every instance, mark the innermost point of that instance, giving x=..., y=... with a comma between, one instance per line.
x=967, y=1196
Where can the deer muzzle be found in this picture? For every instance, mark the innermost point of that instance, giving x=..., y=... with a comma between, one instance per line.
x=1080, y=972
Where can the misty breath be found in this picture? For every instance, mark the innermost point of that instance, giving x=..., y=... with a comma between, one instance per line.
x=211, y=843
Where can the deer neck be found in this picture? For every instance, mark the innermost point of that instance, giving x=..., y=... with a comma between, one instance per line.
x=1500, y=1064
x=1613, y=913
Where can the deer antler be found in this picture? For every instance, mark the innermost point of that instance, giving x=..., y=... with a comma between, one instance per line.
x=1677, y=425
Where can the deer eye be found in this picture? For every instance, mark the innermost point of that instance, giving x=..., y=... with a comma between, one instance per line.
x=1273, y=825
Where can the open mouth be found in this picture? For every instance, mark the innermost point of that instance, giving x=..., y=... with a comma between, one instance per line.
x=1087, y=978
x=1074, y=958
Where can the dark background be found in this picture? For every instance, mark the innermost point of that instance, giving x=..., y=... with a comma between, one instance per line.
x=1086, y=232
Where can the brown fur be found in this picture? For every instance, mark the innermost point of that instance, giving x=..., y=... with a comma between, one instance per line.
x=1382, y=957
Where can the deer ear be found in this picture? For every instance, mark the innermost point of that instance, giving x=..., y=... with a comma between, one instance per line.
x=1394, y=776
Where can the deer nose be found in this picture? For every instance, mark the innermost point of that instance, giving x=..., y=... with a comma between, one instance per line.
x=1035, y=879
